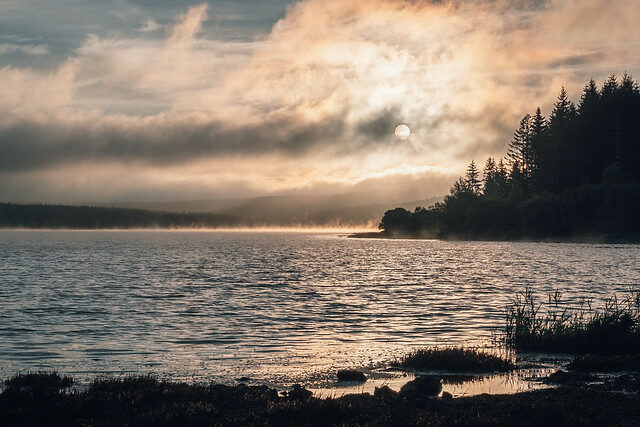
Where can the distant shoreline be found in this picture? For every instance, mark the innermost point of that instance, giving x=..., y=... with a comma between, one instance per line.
x=261, y=229
x=594, y=239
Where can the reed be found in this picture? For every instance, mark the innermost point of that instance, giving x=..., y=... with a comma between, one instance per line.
x=532, y=325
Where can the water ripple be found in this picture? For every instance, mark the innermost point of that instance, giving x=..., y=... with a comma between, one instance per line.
x=272, y=306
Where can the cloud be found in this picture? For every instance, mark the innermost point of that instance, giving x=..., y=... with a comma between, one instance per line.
x=330, y=82
x=29, y=49
x=149, y=26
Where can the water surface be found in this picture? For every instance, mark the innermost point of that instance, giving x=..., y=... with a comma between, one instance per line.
x=276, y=307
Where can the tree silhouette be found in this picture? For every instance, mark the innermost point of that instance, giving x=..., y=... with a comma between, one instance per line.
x=519, y=152
x=473, y=178
x=575, y=172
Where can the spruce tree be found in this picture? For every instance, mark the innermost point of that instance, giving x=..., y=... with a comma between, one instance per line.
x=473, y=178
x=502, y=176
x=537, y=144
x=591, y=135
x=560, y=159
x=489, y=177
x=520, y=147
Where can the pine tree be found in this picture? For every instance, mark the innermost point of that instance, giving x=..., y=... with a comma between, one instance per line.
x=610, y=86
x=560, y=161
x=626, y=132
x=502, y=177
x=520, y=147
x=563, y=107
x=490, y=169
x=591, y=135
x=489, y=177
x=461, y=186
x=516, y=179
x=473, y=178
x=537, y=144
x=590, y=96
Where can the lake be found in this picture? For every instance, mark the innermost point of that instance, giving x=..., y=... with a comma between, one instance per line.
x=277, y=307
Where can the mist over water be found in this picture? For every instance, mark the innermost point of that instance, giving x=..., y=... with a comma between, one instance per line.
x=276, y=307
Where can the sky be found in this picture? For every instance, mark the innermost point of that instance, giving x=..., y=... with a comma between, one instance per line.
x=158, y=100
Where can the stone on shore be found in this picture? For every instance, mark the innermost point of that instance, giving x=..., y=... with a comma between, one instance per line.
x=298, y=392
x=384, y=393
x=351, y=375
x=426, y=385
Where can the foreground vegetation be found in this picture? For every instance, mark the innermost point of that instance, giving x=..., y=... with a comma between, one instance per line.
x=532, y=325
x=86, y=217
x=610, y=335
x=149, y=401
x=573, y=174
x=455, y=359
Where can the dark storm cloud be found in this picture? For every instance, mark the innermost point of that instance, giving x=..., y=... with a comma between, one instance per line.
x=382, y=124
x=28, y=145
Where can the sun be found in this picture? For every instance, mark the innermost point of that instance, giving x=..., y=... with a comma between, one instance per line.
x=402, y=131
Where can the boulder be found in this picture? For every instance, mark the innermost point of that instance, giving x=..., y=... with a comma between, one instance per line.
x=298, y=392
x=423, y=386
x=351, y=375
x=446, y=395
x=384, y=393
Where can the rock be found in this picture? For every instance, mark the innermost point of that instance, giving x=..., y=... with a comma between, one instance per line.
x=265, y=392
x=426, y=385
x=384, y=393
x=298, y=392
x=446, y=395
x=563, y=377
x=243, y=379
x=351, y=375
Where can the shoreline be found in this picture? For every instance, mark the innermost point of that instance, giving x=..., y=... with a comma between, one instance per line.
x=149, y=401
x=593, y=239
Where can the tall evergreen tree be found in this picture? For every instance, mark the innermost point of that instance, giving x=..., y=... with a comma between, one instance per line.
x=539, y=135
x=502, y=176
x=489, y=177
x=627, y=130
x=559, y=163
x=516, y=179
x=519, y=151
x=591, y=135
x=473, y=178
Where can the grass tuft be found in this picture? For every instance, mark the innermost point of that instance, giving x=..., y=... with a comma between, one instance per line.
x=455, y=359
x=554, y=327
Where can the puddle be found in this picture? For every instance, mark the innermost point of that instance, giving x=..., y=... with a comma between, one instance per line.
x=529, y=376
x=492, y=384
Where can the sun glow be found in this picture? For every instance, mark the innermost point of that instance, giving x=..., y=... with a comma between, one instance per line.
x=403, y=131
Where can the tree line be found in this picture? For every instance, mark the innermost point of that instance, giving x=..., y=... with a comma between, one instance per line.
x=576, y=172
x=88, y=217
